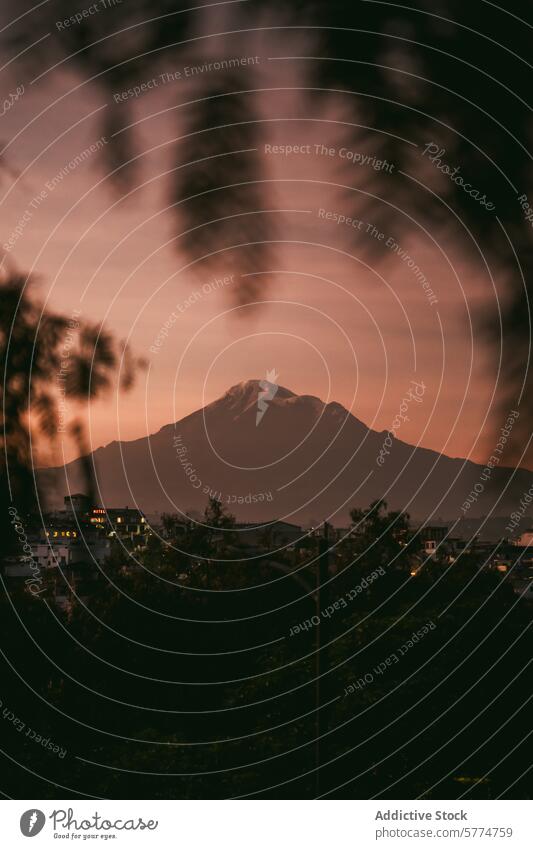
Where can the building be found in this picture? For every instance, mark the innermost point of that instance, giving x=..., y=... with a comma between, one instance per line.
x=80, y=516
x=431, y=537
x=90, y=549
x=122, y=522
x=525, y=539
x=269, y=534
x=60, y=567
x=78, y=504
x=523, y=587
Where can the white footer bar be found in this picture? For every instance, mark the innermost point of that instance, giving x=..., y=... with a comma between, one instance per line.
x=268, y=824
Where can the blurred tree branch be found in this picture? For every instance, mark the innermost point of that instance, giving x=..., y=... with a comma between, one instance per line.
x=446, y=72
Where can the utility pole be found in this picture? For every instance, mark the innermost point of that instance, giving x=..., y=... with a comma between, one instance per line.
x=322, y=574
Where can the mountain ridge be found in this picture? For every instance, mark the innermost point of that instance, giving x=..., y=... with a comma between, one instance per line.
x=312, y=458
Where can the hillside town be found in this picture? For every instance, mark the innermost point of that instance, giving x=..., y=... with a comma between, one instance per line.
x=67, y=551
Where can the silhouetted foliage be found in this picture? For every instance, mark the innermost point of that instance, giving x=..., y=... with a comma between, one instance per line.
x=180, y=678
x=34, y=378
x=451, y=73
x=184, y=689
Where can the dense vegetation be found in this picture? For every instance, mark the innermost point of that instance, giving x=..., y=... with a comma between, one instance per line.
x=196, y=677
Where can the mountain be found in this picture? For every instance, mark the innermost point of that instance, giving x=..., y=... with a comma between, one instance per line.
x=289, y=456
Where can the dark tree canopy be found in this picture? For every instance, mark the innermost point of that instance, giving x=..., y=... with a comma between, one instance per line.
x=453, y=74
